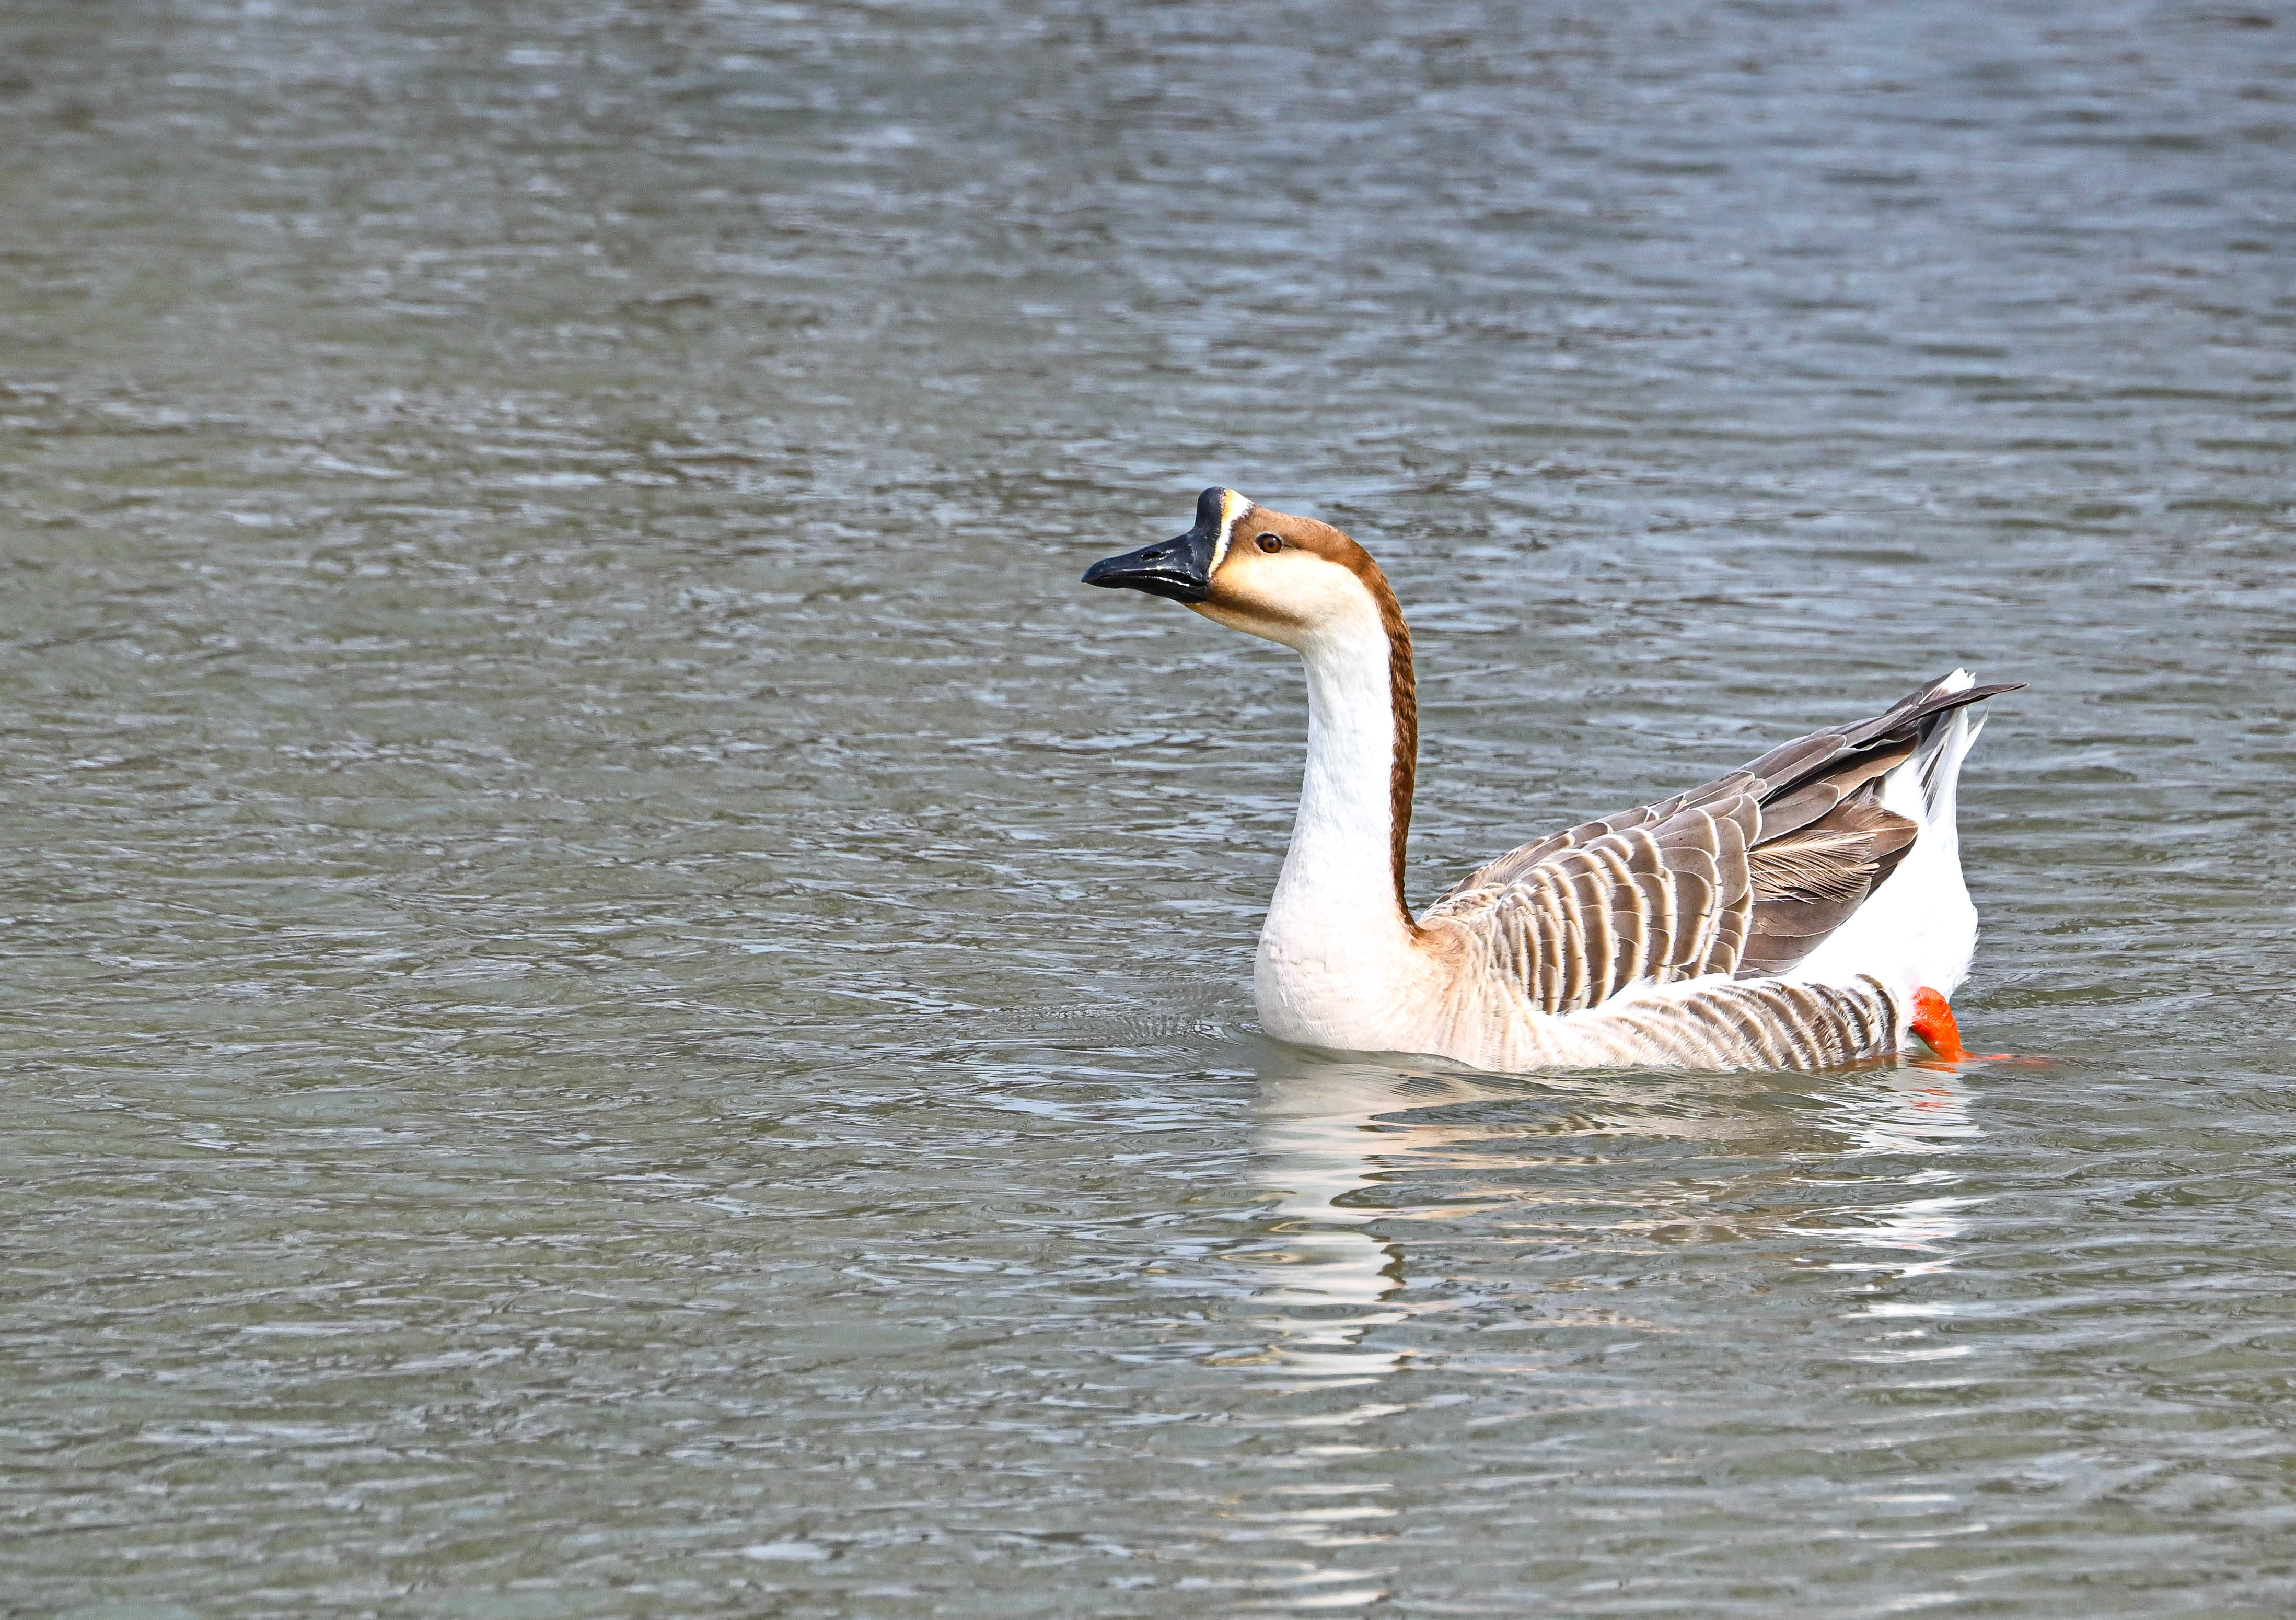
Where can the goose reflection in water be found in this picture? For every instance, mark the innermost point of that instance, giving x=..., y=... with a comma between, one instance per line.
x=1337, y=1139
x=1920, y=1109
x=1352, y=1153
x=1324, y=1132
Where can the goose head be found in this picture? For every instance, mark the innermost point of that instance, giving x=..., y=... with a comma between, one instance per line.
x=1308, y=587
x=1268, y=574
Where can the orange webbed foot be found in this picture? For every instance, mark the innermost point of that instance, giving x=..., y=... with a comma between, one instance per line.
x=1933, y=1021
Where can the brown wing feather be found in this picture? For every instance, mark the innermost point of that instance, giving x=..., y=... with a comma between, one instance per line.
x=1576, y=918
x=1745, y=875
x=1809, y=881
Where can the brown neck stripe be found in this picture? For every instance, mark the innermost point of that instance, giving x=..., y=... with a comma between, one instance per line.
x=1403, y=690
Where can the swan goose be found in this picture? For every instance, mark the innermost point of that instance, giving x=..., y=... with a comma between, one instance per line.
x=1804, y=912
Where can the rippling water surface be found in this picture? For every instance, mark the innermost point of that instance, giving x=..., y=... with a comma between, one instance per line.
x=623, y=1001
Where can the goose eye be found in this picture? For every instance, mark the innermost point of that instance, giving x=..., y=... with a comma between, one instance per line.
x=1269, y=543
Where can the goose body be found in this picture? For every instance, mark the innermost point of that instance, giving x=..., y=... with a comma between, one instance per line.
x=1803, y=911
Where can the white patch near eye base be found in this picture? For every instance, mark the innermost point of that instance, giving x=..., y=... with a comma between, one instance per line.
x=1233, y=504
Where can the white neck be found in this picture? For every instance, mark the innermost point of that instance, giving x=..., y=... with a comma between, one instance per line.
x=1335, y=957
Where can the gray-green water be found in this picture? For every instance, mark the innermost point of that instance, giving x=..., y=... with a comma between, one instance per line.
x=622, y=1000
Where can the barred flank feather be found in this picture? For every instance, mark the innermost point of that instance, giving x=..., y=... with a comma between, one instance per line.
x=1759, y=1024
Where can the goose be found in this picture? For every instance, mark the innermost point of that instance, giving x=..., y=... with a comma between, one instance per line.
x=1804, y=912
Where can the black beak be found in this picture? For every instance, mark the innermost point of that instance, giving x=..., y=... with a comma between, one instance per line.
x=1180, y=568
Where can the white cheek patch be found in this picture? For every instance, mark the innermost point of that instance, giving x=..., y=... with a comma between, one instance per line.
x=1232, y=506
